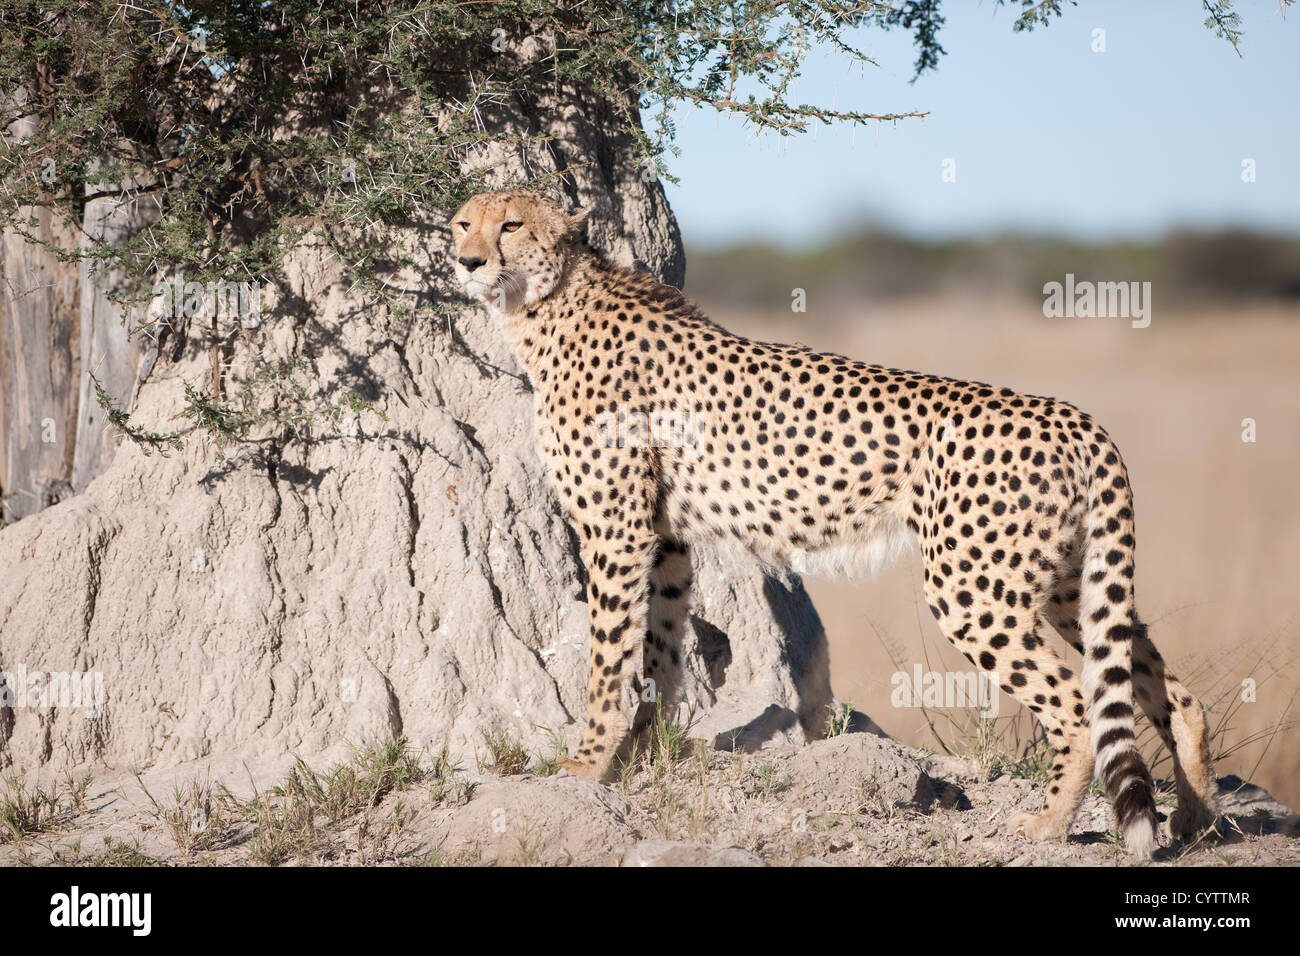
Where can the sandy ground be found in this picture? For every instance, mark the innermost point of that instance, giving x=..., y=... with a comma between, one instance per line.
x=1218, y=547
x=851, y=799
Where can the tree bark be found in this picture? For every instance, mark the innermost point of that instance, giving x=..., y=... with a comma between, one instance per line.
x=39, y=331
x=108, y=350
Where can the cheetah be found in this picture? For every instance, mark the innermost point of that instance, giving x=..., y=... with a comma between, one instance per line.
x=1019, y=505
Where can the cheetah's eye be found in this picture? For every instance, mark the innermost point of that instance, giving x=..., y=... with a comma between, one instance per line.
x=511, y=227
x=463, y=225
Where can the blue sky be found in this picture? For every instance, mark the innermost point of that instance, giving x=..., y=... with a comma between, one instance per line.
x=1045, y=134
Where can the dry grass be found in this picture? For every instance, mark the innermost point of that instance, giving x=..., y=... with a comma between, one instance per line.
x=506, y=755
x=25, y=811
x=195, y=819
x=304, y=816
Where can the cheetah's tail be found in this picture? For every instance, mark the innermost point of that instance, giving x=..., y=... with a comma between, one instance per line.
x=1109, y=622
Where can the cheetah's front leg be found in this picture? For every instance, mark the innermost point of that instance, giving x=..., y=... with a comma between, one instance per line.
x=619, y=549
x=669, y=607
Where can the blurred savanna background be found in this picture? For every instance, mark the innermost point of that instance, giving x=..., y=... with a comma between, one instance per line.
x=1142, y=153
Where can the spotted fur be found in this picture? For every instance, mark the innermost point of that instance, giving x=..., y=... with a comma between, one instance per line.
x=1020, y=505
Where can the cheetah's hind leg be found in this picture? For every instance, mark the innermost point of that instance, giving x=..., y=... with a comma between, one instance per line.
x=1005, y=643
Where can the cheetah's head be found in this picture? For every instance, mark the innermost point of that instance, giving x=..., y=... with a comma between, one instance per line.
x=509, y=248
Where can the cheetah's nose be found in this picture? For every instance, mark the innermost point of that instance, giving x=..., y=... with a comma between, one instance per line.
x=471, y=262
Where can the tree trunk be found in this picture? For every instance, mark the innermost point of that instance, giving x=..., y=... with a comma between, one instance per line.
x=58, y=323
x=39, y=331
x=119, y=360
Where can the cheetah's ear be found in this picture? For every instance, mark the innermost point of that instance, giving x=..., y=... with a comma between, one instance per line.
x=577, y=223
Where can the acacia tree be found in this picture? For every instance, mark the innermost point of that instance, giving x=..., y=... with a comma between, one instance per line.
x=234, y=129
x=239, y=128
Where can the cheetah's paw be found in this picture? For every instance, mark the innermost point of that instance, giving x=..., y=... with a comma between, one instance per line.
x=1039, y=826
x=571, y=766
x=1191, y=817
